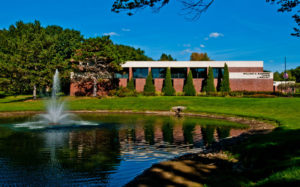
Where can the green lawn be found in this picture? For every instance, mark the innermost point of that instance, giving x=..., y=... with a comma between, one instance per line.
x=274, y=158
x=283, y=110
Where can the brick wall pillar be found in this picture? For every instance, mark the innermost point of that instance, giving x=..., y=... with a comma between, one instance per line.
x=139, y=84
x=130, y=73
x=178, y=84
x=149, y=69
x=122, y=82
x=188, y=71
x=158, y=83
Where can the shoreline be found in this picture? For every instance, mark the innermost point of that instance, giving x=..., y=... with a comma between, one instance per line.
x=252, y=122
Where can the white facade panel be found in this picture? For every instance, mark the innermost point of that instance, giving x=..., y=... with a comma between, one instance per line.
x=192, y=64
x=251, y=75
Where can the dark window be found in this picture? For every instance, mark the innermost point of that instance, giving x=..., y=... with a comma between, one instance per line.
x=122, y=74
x=218, y=72
x=140, y=72
x=199, y=72
x=178, y=73
x=158, y=72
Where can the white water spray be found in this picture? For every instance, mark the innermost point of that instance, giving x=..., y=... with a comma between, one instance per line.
x=55, y=107
x=56, y=114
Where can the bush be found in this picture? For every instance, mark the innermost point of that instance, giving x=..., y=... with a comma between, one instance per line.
x=2, y=94
x=189, y=89
x=225, y=85
x=179, y=93
x=130, y=84
x=125, y=92
x=260, y=96
x=149, y=88
x=112, y=92
x=209, y=83
x=168, y=87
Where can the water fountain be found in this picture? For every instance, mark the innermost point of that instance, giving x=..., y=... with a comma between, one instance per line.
x=56, y=114
x=55, y=107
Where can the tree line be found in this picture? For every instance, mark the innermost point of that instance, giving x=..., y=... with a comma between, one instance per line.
x=30, y=53
x=292, y=75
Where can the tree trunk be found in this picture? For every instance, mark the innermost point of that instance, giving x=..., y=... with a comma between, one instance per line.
x=34, y=92
x=95, y=89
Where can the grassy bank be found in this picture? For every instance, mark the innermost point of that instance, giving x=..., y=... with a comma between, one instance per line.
x=284, y=110
x=272, y=159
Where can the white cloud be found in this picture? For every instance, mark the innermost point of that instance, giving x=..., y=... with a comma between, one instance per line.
x=215, y=35
x=111, y=34
x=202, y=45
x=126, y=30
x=186, y=51
x=186, y=45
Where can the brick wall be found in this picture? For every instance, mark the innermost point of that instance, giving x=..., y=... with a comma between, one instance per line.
x=198, y=84
x=158, y=83
x=245, y=69
x=122, y=82
x=139, y=84
x=178, y=84
x=251, y=85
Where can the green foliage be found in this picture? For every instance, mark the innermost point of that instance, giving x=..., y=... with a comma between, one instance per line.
x=165, y=57
x=30, y=53
x=199, y=57
x=296, y=73
x=189, y=89
x=125, y=92
x=149, y=88
x=130, y=84
x=168, y=87
x=129, y=53
x=225, y=84
x=209, y=83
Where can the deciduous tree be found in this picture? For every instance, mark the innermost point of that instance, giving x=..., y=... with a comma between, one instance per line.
x=199, y=57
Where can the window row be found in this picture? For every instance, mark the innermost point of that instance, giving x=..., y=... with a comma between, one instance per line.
x=175, y=73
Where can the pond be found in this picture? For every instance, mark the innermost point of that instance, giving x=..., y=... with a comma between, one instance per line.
x=112, y=153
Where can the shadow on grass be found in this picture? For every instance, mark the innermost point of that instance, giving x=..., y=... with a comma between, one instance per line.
x=15, y=99
x=264, y=160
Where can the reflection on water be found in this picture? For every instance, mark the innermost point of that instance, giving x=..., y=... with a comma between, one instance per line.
x=110, y=154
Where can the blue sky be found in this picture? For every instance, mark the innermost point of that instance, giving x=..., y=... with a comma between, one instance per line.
x=229, y=30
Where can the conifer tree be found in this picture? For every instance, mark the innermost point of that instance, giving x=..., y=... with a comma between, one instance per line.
x=168, y=87
x=189, y=89
x=225, y=85
x=149, y=88
x=130, y=84
x=210, y=86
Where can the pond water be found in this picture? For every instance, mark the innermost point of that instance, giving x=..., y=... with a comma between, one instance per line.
x=111, y=153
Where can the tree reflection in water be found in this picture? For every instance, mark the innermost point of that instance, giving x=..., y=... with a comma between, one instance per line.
x=121, y=144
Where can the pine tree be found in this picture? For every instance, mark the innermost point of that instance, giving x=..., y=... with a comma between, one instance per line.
x=210, y=86
x=168, y=87
x=149, y=88
x=189, y=89
x=130, y=84
x=225, y=85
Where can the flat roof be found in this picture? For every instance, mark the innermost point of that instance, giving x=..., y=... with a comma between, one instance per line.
x=195, y=64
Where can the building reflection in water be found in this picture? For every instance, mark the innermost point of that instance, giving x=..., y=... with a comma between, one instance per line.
x=123, y=145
